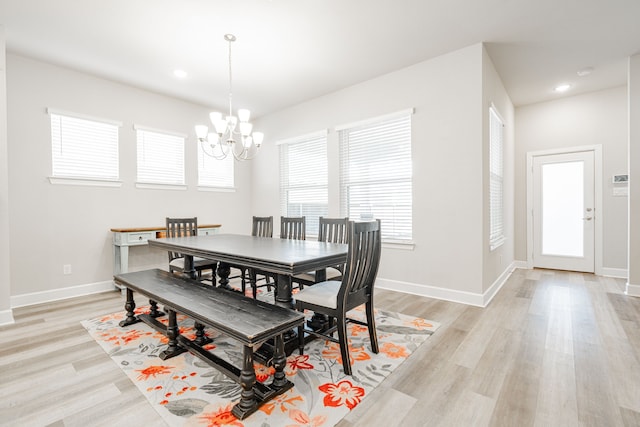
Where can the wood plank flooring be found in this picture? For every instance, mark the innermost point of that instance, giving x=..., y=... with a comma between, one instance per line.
x=552, y=349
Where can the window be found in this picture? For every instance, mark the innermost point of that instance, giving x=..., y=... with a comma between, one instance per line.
x=303, y=179
x=83, y=148
x=496, y=185
x=375, y=173
x=214, y=173
x=160, y=157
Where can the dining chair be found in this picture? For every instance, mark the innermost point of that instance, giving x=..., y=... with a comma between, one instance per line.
x=262, y=226
x=181, y=227
x=335, y=298
x=293, y=227
x=331, y=230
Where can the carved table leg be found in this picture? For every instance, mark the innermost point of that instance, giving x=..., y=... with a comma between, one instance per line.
x=248, y=403
x=189, y=269
x=279, y=363
x=129, y=306
x=201, y=338
x=172, y=333
x=223, y=272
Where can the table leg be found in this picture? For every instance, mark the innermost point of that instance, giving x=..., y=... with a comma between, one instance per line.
x=224, y=270
x=283, y=291
x=189, y=269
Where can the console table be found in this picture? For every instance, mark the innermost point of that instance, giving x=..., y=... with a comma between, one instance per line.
x=125, y=237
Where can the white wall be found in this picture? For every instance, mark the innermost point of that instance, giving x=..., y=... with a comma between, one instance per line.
x=633, y=285
x=447, y=148
x=500, y=259
x=590, y=119
x=53, y=225
x=5, y=267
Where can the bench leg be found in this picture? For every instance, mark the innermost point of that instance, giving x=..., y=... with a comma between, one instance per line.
x=129, y=306
x=173, y=332
x=248, y=403
x=279, y=363
x=153, y=310
x=201, y=338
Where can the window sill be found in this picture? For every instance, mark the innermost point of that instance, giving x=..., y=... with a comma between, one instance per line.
x=149, y=186
x=56, y=180
x=217, y=189
x=398, y=244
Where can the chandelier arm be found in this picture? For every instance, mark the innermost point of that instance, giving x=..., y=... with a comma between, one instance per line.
x=212, y=154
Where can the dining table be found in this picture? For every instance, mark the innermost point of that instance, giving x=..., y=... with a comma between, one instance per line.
x=283, y=258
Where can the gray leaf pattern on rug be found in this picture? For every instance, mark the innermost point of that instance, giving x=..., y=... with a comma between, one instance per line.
x=222, y=386
x=186, y=407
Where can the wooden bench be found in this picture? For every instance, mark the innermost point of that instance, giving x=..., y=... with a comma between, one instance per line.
x=244, y=319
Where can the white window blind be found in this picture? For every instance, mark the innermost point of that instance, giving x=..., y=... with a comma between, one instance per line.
x=496, y=209
x=213, y=172
x=160, y=157
x=84, y=148
x=303, y=179
x=375, y=174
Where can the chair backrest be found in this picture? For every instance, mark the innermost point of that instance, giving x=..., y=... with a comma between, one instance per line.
x=293, y=227
x=181, y=227
x=333, y=230
x=262, y=226
x=363, y=259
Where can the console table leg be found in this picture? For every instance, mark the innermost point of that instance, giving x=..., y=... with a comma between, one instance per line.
x=129, y=306
x=248, y=403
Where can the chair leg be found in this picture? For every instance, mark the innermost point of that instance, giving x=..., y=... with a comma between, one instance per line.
x=252, y=282
x=301, y=339
x=371, y=325
x=243, y=280
x=344, y=344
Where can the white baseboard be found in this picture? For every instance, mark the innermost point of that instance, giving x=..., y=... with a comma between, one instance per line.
x=632, y=290
x=621, y=273
x=463, y=297
x=6, y=317
x=63, y=293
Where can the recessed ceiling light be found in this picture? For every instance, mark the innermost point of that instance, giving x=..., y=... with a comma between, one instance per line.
x=585, y=71
x=181, y=74
x=562, y=88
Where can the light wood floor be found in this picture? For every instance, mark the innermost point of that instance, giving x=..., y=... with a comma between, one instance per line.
x=552, y=349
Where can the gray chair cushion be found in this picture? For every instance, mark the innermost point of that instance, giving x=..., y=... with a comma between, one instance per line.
x=324, y=294
x=178, y=263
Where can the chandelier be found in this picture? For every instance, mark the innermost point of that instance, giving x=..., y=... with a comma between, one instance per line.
x=229, y=129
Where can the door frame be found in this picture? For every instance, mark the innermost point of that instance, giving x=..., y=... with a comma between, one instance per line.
x=597, y=186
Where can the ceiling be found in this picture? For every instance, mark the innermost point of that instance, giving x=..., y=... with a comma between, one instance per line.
x=290, y=51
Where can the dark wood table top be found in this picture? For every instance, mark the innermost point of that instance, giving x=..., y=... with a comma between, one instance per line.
x=283, y=256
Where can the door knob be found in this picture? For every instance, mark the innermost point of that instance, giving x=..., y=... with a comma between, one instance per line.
x=589, y=218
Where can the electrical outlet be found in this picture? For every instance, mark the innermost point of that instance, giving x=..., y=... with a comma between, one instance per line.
x=66, y=269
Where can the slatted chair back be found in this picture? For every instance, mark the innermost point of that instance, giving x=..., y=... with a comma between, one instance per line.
x=262, y=226
x=361, y=268
x=333, y=230
x=293, y=227
x=181, y=227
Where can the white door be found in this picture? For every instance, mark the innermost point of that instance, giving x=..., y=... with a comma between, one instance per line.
x=564, y=211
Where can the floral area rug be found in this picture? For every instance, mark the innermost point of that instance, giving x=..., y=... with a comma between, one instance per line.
x=186, y=391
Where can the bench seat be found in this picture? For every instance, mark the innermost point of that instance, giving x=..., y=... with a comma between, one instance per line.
x=248, y=321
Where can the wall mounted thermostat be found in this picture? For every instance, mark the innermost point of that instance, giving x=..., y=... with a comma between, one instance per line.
x=620, y=179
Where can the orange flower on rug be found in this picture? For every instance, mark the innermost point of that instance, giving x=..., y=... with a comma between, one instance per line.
x=188, y=392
